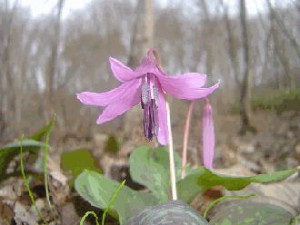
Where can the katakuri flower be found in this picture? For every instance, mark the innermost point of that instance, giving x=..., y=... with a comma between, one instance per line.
x=147, y=85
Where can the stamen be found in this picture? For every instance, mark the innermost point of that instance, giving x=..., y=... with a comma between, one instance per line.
x=149, y=103
x=145, y=90
x=155, y=95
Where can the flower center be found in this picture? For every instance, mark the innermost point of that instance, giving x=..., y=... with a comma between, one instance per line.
x=149, y=103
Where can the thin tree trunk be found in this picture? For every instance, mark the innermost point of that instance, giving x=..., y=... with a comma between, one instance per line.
x=209, y=30
x=142, y=35
x=52, y=63
x=7, y=100
x=245, y=94
x=232, y=46
x=141, y=41
x=280, y=48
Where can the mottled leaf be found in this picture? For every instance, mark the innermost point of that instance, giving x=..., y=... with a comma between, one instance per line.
x=150, y=167
x=251, y=213
x=98, y=190
x=170, y=213
x=201, y=179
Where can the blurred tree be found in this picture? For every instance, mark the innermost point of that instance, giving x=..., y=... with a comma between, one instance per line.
x=6, y=80
x=280, y=48
x=233, y=44
x=141, y=41
x=245, y=94
x=142, y=32
x=52, y=62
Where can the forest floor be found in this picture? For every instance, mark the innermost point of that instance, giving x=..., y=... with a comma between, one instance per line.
x=275, y=146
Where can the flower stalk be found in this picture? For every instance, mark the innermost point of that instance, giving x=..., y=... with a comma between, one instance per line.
x=170, y=141
x=171, y=155
x=185, y=138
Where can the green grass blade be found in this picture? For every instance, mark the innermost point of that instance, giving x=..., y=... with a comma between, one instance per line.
x=112, y=200
x=27, y=183
x=45, y=156
x=87, y=214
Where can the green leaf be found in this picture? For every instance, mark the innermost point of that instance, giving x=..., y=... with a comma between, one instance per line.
x=201, y=179
x=32, y=144
x=98, y=190
x=77, y=161
x=172, y=212
x=251, y=213
x=112, y=145
x=150, y=167
x=13, y=149
x=43, y=131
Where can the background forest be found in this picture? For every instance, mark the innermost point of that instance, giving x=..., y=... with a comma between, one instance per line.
x=45, y=60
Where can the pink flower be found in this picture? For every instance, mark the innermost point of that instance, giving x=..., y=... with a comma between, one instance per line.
x=208, y=135
x=146, y=85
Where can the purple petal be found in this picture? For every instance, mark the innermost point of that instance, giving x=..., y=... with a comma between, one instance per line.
x=187, y=86
x=129, y=99
x=148, y=65
x=120, y=71
x=208, y=135
x=184, y=81
x=106, y=98
x=162, y=119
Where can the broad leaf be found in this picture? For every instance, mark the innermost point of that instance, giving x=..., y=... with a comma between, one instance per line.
x=201, y=179
x=98, y=190
x=79, y=160
x=38, y=136
x=31, y=144
x=251, y=213
x=150, y=167
x=13, y=149
x=172, y=212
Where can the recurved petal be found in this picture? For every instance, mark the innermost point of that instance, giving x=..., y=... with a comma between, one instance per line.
x=147, y=65
x=186, y=80
x=120, y=71
x=109, y=97
x=129, y=99
x=162, y=120
x=188, y=88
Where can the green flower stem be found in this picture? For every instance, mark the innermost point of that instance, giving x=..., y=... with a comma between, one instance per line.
x=87, y=214
x=112, y=200
x=45, y=156
x=171, y=155
x=26, y=182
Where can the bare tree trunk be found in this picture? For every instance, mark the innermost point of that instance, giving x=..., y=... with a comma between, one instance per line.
x=209, y=30
x=232, y=46
x=7, y=100
x=52, y=63
x=142, y=35
x=141, y=41
x=280, y=48
x=245, y=94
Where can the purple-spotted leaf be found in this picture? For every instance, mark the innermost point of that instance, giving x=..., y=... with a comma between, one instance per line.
x=201, y=179
x=251, y=213
x=98, y=191
x=150, y=167
x=170, y=213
